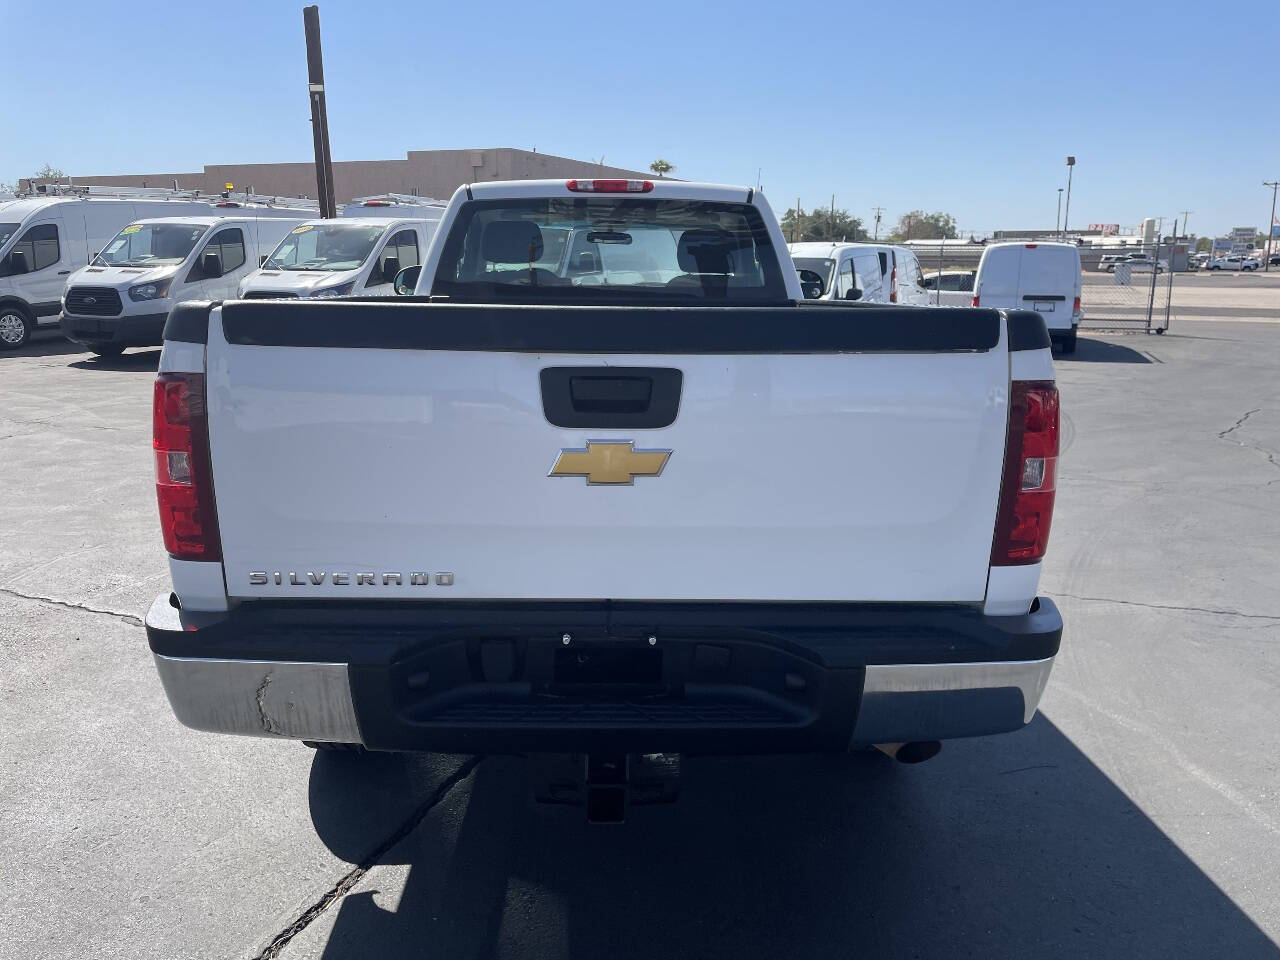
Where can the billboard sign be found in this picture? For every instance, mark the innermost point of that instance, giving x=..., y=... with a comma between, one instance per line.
x=1106, y=229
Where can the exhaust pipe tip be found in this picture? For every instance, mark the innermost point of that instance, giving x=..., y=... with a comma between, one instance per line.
x=914, y=751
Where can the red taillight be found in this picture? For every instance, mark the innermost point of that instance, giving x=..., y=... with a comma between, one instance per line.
x=377, y=203
x=609, y=186
x=184, y=483
x=893, y=285
x=1075, y=305
x=975, y=299
x=1031, y=246
x=1030, y=474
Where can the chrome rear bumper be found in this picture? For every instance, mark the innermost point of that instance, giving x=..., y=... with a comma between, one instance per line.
x=394, y=680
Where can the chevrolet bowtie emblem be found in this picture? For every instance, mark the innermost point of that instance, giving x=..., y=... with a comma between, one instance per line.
x=609, y=462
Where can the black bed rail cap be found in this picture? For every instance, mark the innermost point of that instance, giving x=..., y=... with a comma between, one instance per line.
x=1027, y=330
x=390, y=325
x=188, y=322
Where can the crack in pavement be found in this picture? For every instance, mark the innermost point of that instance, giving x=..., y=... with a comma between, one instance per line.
x=1169, y=606
x=1253, y=445
x=126, y=617
x=350, y=879
x=1238, y=424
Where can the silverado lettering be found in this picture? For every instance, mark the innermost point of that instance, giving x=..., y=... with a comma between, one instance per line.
x=260, y=578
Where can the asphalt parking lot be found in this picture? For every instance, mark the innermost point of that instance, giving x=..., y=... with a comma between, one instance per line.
x=1137, y=816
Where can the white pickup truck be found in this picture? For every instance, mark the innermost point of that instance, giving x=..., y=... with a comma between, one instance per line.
x=606, y=486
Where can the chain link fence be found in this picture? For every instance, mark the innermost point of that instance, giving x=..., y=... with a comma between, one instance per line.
x=1123, y=293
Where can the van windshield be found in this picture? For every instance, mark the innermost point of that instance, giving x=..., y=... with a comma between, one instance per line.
x=150, y=245
x=608, y=249
x=324, y=246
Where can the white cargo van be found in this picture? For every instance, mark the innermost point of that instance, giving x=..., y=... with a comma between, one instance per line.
x=339, y=258
x=122, y=298
x=1044, y=277
x=877, y=272
x=848, y=271
x=43, y=239
x=46, y=236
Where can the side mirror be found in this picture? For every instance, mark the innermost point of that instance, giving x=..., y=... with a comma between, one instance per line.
x=262, y=261
x=390, y=267
x=811, y=284
x=407, y=281
x=210, y=265
x=854, y=294
x=18, y=262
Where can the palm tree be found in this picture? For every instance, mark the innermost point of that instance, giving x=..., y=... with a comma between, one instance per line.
x=661, y=167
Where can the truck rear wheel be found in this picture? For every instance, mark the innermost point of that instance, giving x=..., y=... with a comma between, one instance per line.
x=15, y=327
x=1068, y=342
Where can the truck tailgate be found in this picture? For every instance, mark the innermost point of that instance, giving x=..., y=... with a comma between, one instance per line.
x=403, y=451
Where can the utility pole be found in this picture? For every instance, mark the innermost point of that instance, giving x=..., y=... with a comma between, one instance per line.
x=878, y=210
x=795, y=222
x=1271, y=224
x=833, y=217
x=319, y=115
x=1186, y=215
x=1057, y=223
x=1071, y=165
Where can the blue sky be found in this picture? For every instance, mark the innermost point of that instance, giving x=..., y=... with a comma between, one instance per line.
x=959, y=107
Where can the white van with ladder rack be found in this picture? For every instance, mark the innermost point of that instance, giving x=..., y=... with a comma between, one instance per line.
x=55, y=230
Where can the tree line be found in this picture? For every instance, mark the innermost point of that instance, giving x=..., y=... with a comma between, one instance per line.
x=838, y=225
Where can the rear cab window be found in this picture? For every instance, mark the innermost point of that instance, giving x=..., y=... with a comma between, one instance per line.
x=603, y=249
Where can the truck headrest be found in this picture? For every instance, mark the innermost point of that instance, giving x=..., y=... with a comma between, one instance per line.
x=705, y=251
x=511, y=241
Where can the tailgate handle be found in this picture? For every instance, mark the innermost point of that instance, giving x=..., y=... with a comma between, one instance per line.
x=611, y=397
x=593, y=394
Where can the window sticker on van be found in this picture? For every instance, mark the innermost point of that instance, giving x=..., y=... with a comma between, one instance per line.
x=302, y=229
x=131, y=229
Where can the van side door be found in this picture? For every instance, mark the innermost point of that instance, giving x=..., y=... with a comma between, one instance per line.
x=228, y=245
x=38, y=264
x=403, y=249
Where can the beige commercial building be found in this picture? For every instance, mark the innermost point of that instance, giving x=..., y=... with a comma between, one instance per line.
x=429, y=173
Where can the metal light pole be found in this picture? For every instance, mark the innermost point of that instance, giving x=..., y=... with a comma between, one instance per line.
x=1057, y=223
x=1071, y=165
x=878, y=210
x=319, y=115
x=1271, y=224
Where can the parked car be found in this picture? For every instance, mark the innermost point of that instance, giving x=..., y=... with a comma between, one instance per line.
x=122, y=298
x=1235, y=263
x=523, y=514
x=44, y=238
x=951, y=288
x=1137, y=263
x=340, y=258
x=1044, y=277
x=1274, y=260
